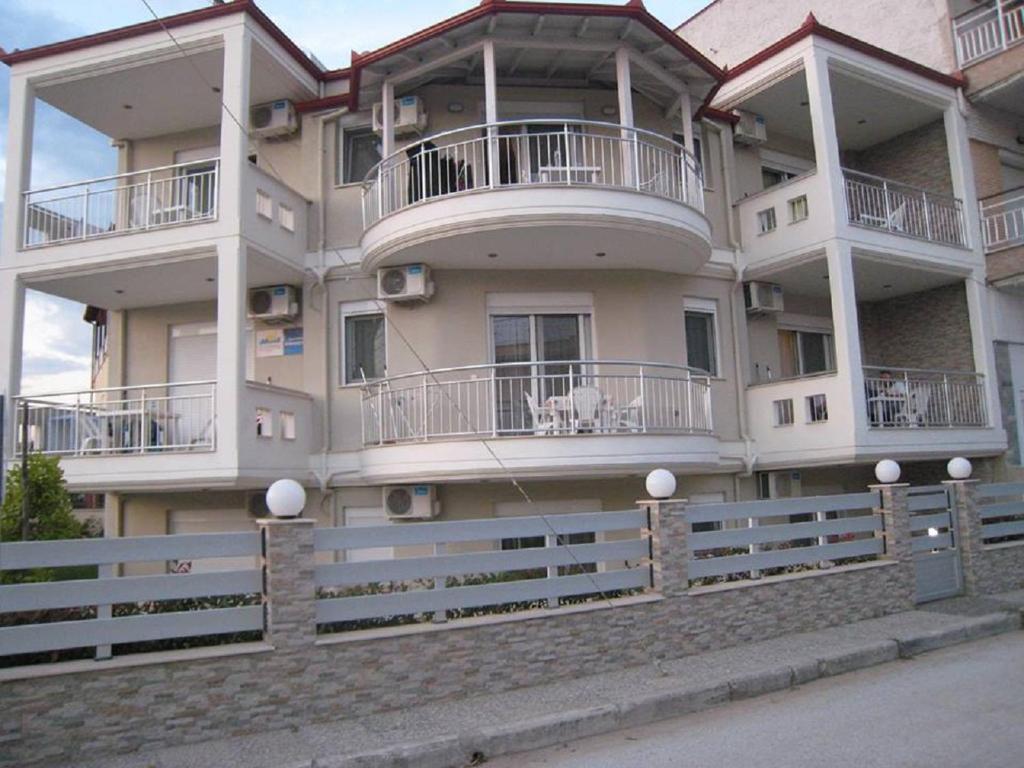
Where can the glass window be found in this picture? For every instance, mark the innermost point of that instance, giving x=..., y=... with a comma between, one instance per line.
x=700, y=341
x=798, y=209
x=766, y=220
x=804, y=353
x=364, y=355
x=772, y=176
x=360, y=151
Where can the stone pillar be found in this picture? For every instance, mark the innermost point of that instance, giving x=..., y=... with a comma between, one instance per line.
x=895, y=514
x=963, y=500
x=669, y=553
x=289, y=591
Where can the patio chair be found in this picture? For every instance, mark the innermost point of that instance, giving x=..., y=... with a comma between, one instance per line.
x=587, y=406
x=630, y=417
x=545, y=421
x=920, y=397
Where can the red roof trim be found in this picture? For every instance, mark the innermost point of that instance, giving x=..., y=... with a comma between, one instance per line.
x=812, y=26
x=327, y=102
x=718, y=114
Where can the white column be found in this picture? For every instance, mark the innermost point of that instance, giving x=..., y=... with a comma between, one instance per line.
x=686, y=115
x=387, y=115
x=846, y=333
x=20, y=127
x=12, y=320
x=624, y=83
x=491, y=111
x=232, y=417
x=961, y=172
x=234, y=124
x=980, y=317
x=826, y=141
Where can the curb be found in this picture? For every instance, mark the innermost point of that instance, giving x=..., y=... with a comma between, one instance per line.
x=472, y=747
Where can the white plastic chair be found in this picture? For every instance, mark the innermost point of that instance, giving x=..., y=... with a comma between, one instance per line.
x=630, y=416
x=586, y=402
x=544, y=419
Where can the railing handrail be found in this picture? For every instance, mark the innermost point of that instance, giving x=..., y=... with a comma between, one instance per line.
x=938, y=371
x=127, y=174
x=385, y=162
x=974, y=13
x=904, y=185
x=385, y=380
x=989, y=201
x=31, y=397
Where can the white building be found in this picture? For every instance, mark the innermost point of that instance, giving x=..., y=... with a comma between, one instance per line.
x=575, y=249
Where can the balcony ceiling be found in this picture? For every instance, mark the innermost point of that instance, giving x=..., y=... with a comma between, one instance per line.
x=165, y=96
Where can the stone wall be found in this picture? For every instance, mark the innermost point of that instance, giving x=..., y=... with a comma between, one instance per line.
x=918, y=158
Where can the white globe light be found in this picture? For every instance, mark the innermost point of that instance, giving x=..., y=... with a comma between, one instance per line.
x=959, y=468
x=661, y=484
x=286, y=498
x=887, y=471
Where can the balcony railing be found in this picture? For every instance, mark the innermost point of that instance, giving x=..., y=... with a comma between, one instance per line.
x=115, y=205
x=878, y=203
x=537, y=398
x=912, y=398
x=565, y=153
x=157, y=418
x=1002, y=220
x=986, y=31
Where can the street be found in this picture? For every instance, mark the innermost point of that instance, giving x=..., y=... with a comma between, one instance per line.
x=962, y=706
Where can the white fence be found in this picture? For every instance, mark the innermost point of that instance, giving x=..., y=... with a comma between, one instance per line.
x=1002, y=220
x=567, y=397
x=1002, y=513
x=35, y=632
x=749, y=539
x=908, y=397
x=526, y=562
x=538, y=152
x=119, y=420
x=129, y=202
x=878, y=203
x=988, y=30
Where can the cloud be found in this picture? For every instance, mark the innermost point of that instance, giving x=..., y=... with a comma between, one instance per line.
x=56, y=349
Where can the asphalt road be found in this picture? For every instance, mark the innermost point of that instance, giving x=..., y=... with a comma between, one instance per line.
x=961, y=706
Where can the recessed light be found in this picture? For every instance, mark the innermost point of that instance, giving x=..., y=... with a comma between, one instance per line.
x=455, y=107
x=127, y=106
x=887, y=286
x=118, y=291
x=492, y=255
x=862, y=121
x=215, y=89
x=824, y=277
x=609, y=109
x=210, y=279
x=804, y=103
x=600, y=254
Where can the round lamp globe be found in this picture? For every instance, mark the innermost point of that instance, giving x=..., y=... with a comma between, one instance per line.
x=887, y=471
x=661, y=484
x=959, y=468
x=286, y=498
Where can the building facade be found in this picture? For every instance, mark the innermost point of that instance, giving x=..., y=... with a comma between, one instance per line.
x=571, y=247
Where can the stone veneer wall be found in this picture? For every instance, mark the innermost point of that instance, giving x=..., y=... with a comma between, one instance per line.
x=59, y=717
x=918, y=158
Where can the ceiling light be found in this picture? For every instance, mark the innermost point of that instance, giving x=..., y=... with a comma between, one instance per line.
x=600, y=254
x=492, y=255
x=455, y=106
x=215, y=89
x=804, y=103
x=862, y=121
x=210, y=279
x=118, y=291
x=126, y=106
x=609, y=109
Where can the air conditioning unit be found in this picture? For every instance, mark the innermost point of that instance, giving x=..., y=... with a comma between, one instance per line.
x=275, y=118
x=273, y=303
x=256, y=504
x=409, y=116
x=750, y=129
x=410, y=502
x=762, y=297
x=409, y=283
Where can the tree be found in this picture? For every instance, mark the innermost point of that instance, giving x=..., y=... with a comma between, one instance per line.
x=50, y=506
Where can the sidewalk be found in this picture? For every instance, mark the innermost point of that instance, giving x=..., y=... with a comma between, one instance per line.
x=459, y=733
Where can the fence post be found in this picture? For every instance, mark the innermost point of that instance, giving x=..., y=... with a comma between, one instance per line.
x=289, y=591
x=895, y=513
x=667, y=526
x=963, y=502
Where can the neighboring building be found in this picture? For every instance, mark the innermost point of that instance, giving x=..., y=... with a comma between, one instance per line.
x=575, y=262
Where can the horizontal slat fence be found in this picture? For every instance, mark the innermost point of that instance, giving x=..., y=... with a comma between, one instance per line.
x=525, y=562
x=1002, y=513
x=742, y=540
x=38, y=616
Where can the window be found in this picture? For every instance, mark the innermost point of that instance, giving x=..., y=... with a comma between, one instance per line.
x=287, y=218
x=287, y=425
x=766, y=221
x=783, y=412
x=797, y=209
x=358, y=151
x=804, y=353
x=264, y=422
x=701, y=336
x=364, y=348
x=264, y=205
x=700, y=151
x=772, y=176
x=817, y=409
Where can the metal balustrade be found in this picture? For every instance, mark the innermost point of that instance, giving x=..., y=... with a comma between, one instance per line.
x=1002, y=220
x=909, y=398
x=879, y=203
x=536, y=153
x=153, y=198
x=986, y=31
x=119, y=420
x=540, y=398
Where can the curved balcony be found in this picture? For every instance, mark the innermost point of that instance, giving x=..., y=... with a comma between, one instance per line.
x=591, y=195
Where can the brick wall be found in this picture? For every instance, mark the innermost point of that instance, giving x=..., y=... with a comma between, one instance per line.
x=929, y=329
x=917, y=157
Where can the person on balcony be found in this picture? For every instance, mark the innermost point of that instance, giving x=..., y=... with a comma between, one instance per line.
x=886, y=399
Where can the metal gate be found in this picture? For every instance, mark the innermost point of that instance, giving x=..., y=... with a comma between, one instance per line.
x=934, y=544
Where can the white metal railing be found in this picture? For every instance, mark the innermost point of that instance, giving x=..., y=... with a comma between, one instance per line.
x=128, y=202
x=1002, y=220
x=119, y=420
x=44, y=616
x=1002, y=513
x=988, y=30
x=536, y=152
x=529, y=562
x=568, y=397
x=909, y=397
x=872, y=201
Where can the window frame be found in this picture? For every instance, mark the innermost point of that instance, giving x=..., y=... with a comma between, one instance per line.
x=765, y=217
x=340, y=148
x=348, y=309
x=704, y=307
x=791, y=206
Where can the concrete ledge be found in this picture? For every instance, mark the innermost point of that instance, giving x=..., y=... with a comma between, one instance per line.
x=971, y=629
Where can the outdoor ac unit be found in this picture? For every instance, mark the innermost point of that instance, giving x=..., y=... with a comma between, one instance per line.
x=750, y=129
x=276, y=302
x=409, y=283
x=409, y=116
x=276, y=118
x=256, y=504
x=762, y=297
x=410, y=502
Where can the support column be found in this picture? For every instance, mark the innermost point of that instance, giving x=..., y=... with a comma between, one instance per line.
x=669, y=553
x=20, y=130
x=289, y=592
x=231, y=414
x=826, y=140
x=963, y=499
x=961, y=173
x=895, y=514
x=624, y=83
x=491, y=112
x=387, y=119
x=980, y=318
x=846, y=334
x=234, y=125
x=12, y=324
x=686, y=115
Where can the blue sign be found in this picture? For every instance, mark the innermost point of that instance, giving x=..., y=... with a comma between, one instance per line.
x=292, y=341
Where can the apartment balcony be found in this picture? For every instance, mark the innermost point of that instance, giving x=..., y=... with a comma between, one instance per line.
x=1002, y=220
x=544, y=194
x=987, y=31
x=919, y=399
x=537, y=419
x=900, y=209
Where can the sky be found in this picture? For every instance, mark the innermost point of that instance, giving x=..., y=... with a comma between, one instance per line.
x=57, y=341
